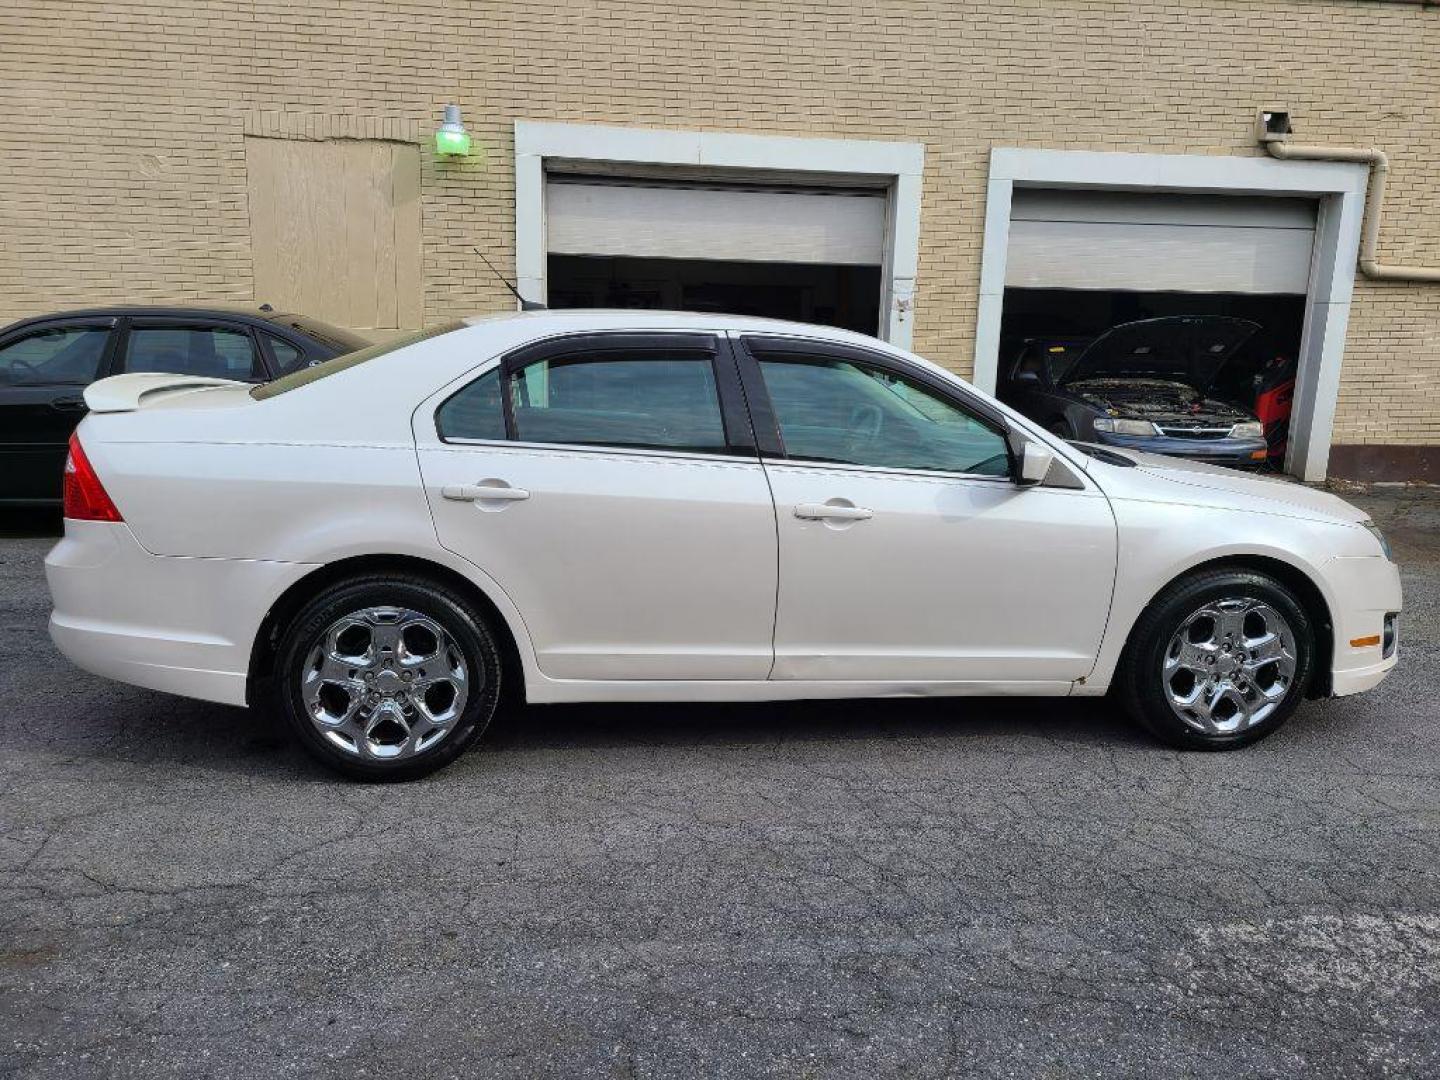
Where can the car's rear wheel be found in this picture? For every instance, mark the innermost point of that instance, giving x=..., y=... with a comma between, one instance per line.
x=387, y=677
x=1218, y=661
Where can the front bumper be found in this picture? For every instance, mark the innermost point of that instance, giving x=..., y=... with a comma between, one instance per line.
x=1236, y=453
x=1365, y=590
x=181, y=625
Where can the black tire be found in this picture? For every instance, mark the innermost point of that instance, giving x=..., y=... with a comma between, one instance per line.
x=467, y=632
x=1140, y=682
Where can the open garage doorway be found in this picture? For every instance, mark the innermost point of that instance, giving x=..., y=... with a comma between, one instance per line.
x=1186, y=311
x=1258, y=378
x=825, y=230
x=812, y=253
x=844, y=296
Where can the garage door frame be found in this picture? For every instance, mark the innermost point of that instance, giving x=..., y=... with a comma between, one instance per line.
x=1339, y=189
x=895, y=166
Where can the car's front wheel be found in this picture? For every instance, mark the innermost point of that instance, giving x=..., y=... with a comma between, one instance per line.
x=387, y=677
x=1219, y=660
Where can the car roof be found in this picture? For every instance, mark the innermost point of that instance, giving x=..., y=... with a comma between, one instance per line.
x=115, y=310
x=286, y=324
x=578, y=320
x=245, y=312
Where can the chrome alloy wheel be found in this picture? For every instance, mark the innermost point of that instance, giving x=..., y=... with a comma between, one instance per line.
x=1229, y=666
x=385, y=683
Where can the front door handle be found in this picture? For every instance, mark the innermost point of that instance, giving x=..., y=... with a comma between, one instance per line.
x=485, y=491
x=832, y=512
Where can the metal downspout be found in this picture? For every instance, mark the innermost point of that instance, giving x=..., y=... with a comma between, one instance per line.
x=1379, y=164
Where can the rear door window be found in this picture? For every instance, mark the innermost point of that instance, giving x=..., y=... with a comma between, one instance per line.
x=647, y=401
x=59, y=355
x=210, y=351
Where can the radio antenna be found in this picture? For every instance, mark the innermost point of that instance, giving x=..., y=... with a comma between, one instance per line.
x=525, y=305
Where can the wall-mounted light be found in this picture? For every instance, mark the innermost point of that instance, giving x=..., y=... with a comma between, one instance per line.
x=451, y=138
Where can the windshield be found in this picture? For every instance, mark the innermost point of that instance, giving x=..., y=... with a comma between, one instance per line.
x=1053, y=357
x=1188, y=349
x=337, y=364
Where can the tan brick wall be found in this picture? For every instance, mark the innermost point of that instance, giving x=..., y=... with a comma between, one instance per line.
x=121, y=125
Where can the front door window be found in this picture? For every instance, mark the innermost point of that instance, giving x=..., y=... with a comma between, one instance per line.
x=838, y=411
x=56, y=356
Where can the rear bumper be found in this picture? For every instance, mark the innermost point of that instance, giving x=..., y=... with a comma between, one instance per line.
x=1236, y=453
x=181, y=625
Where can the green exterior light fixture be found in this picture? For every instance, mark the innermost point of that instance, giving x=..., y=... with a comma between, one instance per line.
x=451, y=138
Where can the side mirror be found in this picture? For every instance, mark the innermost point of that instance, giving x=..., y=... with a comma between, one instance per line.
x=1035, y=461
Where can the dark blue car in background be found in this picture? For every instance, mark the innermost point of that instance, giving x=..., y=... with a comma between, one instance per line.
x=1146, y=385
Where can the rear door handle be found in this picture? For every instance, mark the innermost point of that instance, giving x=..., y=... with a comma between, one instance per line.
x=485, y=491
x=68, y=404
x=830, y=512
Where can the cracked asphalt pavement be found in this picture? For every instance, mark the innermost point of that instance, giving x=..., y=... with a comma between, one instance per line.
x=910, y=888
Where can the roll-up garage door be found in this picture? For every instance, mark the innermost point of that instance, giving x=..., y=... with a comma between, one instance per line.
x=731, y=223
x=1159, y=243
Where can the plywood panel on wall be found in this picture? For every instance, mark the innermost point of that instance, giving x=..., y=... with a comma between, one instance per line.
x=335, y=229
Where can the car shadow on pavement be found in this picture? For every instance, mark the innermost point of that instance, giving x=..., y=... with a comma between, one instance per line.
x=595, y=727
x=1007, y=725
x=138, y=728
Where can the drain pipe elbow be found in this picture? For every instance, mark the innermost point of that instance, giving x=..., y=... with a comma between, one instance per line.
x=1379, y=162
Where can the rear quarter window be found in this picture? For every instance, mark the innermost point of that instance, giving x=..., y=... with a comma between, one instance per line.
x=476, y=412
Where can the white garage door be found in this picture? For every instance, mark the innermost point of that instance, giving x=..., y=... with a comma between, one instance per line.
x=744, y=224
x=1159, y=243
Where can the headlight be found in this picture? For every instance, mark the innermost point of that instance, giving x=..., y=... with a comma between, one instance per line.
x=1374, y=530
x=1126, y=427
x=1250, y=429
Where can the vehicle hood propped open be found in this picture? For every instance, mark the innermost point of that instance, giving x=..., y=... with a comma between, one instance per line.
x=1182, y=348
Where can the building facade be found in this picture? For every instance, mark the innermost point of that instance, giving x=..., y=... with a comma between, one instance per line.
x=953, y=175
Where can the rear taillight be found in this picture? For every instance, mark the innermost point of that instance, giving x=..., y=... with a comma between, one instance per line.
x=85, y=497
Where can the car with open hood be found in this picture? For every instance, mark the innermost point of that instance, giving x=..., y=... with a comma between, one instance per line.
x=1147, y=385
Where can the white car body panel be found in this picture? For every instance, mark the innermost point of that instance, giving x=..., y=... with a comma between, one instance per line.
x=627, y=565
x=653, y=576
x=1162, y=507
x=182, y=625
x=925, y=589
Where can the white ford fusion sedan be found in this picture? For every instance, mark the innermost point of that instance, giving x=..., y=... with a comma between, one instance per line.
x=639, y=506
